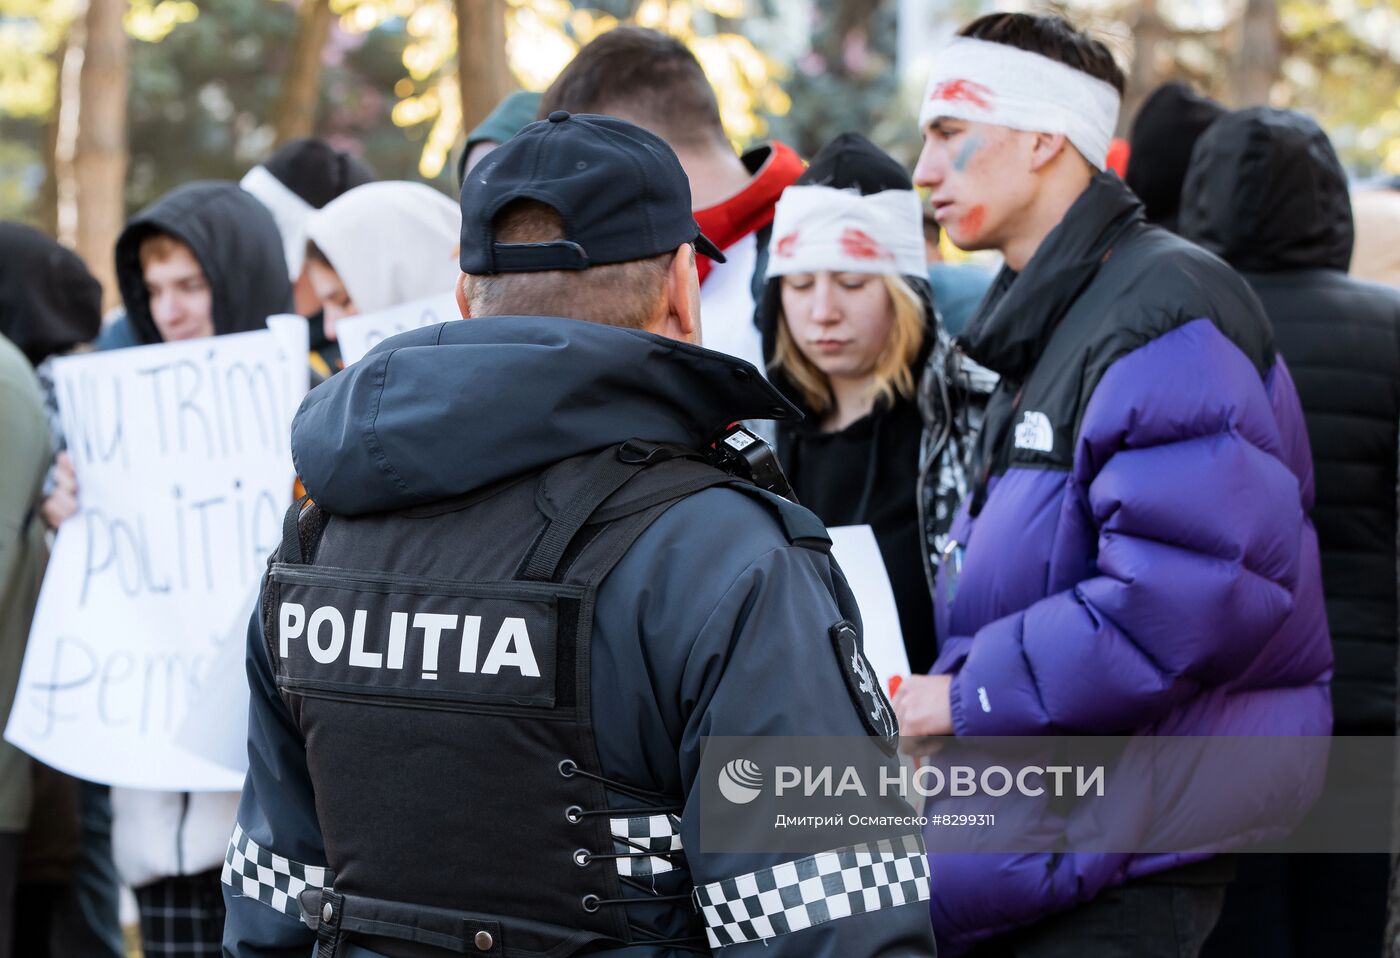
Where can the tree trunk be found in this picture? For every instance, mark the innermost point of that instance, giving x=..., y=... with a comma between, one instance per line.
x=90, y=145
x=47, y=208
x=301, y=88
x=1150, y=34
x=1256, y=61
x=483, y=76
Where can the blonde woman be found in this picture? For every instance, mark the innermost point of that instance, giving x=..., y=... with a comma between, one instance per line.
x=848, y=323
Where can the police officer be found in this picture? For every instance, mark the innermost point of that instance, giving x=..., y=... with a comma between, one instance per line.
x=485, y=658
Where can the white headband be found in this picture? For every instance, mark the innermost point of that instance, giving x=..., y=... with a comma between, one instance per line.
x=821, y=228
x=288, y=210
x=1006, y=86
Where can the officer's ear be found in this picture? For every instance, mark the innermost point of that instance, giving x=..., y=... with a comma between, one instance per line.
x=463, y=306
x=679, y=317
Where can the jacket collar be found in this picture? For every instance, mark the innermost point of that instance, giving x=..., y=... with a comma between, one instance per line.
x=1021, y=310
x=775, y=167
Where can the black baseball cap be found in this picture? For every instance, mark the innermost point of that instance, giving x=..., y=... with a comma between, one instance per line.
x=619, y=189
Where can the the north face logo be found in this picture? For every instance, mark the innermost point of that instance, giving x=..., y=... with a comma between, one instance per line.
x=1034, y=432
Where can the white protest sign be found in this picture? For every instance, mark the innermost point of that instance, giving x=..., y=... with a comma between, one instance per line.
x=184, y=473
x=858, y=555
x=357, y=335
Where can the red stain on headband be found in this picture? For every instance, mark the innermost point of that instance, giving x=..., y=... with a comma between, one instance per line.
x=787, y=245
x=963, y=91
x=858, y=244
x=971, y=224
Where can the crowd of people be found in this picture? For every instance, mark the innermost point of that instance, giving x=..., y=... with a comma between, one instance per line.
x=1139, y=481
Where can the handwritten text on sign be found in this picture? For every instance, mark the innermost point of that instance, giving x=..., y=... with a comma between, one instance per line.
x=184, y=473
x=357, y=335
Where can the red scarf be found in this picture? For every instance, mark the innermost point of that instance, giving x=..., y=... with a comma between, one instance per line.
x=751, y=209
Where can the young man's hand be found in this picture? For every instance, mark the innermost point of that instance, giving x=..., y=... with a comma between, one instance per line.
x=923, y=708
x=62, y=503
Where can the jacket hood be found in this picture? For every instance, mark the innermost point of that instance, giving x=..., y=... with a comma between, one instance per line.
x=850, y=162
x=390, y=242
x=49, y=302
x=1266, y=193
x=236, y=242
x=1021, y=310
x=444, y=410
x=1159, y=148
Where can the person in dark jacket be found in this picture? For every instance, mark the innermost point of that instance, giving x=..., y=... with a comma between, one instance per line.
x=459, y=809
x=1165, y=129
x=1134, y=556
x=1267, y=194
x=846, y=331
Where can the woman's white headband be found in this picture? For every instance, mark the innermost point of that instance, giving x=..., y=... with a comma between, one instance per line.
x=821, y=228
x=994, y=83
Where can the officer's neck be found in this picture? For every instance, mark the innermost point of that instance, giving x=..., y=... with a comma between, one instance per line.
x=716, y=174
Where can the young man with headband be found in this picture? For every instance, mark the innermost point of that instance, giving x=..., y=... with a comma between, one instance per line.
x=1134, y=554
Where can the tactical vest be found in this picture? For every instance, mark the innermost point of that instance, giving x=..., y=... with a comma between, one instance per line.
x=436, y=661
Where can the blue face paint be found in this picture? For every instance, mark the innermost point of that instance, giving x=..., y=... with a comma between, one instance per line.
x=969, y=150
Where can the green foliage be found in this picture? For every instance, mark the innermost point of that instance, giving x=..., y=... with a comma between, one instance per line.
x=1343, y=66
x=203, y=100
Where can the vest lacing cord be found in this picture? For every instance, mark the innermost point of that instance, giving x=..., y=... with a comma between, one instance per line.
x=591, y=903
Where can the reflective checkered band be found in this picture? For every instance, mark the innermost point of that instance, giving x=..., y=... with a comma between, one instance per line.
x=656, y=832
x=807, y=892
x=255, y=872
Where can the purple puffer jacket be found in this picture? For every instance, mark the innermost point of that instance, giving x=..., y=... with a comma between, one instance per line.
x=1136, y=555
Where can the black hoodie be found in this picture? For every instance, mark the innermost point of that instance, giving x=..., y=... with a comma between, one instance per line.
x=1266, y=192
x=1165, y=129
x=49, y=302
x=868, y=473
x=236, y=242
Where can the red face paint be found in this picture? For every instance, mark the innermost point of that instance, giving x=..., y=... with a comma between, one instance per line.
x=971, y=224
x=787, y=245
x=858, y=244
x=963, y=91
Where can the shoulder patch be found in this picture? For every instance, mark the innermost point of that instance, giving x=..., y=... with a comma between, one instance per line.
x=864, y=685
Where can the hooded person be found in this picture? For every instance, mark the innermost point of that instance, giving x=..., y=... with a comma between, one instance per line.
x=1159, y=149
x=299, y=178
x=848, y=322
x=1134, y=556
x=1267, y=194
x=380, y=245
x=234, y=242
x=205, y=259
x=49, y=302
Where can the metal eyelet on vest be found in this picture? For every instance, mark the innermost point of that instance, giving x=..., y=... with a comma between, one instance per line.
x=573, y=814
x=590, y=903
x=582, y=857
x=568, y=767
x=483, y=941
